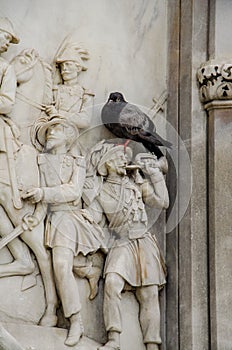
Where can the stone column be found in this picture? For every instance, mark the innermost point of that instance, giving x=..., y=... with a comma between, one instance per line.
x=215, y=81
x=187, y=287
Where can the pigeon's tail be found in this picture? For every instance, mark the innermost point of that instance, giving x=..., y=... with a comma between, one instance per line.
x=152, y=141
x=153, y=148
x=158, y=140
x=154, y=138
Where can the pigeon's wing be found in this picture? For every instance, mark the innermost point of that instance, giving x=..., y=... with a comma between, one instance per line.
x=111, y=111
x=132, y=117
x=154, y=138
x=139, y=124
x=109, y=116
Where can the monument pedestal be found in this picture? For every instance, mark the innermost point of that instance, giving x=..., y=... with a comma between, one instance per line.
x=46, y=338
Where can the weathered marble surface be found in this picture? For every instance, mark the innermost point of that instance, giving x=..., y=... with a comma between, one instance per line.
x=113, y=46
x=37, y=338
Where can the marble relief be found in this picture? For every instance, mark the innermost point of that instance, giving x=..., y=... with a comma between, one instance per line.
x=69, y=215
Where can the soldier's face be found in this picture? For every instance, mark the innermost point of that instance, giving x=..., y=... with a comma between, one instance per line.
x=55, y=137
x=69, y=70
x=118, y=163
x=5, y=39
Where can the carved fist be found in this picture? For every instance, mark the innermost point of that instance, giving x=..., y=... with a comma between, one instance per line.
x=34, y=195
x=150, y=164
x=51, y=110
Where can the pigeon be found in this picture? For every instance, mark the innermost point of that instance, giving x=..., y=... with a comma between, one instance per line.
x=127, y=121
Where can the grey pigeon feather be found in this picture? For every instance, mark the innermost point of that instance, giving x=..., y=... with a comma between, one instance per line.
x=127, y=121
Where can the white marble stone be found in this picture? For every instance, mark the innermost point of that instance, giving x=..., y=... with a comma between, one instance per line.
x=127, y=43
x=126, y=40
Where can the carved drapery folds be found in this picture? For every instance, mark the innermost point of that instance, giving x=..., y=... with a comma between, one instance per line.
x=215, y=81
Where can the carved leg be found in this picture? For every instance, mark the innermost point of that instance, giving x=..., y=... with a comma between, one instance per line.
x=114, y=285
x=149, y=315
x=95, y=273
x=90, y=267
x=22, y=264
x=113, y=341
x=68, y=291
x=93, y=277
x=76, y=330
x=34, y=240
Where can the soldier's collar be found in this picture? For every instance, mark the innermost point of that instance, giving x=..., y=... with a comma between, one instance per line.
x=118, y=180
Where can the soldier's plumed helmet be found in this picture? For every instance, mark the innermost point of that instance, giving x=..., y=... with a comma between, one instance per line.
x=71, y=53
x=110, y=152
x=69, y=128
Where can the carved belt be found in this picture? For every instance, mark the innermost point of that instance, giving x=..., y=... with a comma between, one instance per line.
x=63, y=207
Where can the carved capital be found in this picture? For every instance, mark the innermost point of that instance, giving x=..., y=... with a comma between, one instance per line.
x=215, y=81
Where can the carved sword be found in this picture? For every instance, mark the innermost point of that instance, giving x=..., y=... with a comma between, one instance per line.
x=13, y=234
x=11, y=167
x=158, y=104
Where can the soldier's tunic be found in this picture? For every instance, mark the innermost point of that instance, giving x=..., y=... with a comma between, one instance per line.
x=67, y=224
x=135, y=254
x=71, y=102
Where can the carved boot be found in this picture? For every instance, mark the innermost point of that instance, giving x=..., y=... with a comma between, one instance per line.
x=113, y=342
x=49, y=319
x=76, y=330
x=152, y=346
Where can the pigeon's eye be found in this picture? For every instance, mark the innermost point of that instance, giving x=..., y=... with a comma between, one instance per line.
x=118, y=99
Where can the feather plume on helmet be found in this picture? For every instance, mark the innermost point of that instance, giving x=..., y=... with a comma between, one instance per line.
x=96, y=169
x=69, y=50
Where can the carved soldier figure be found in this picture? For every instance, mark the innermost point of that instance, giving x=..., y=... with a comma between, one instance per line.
x=8, y=79
x=70, y=98
x=134, y=259
x=13, y=176
x=8, y=131
x=69, y=229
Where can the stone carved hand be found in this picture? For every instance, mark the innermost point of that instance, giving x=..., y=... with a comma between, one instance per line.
x=148, y=165
x=51, y=110
x=30, y=221
x=35, y=195
x=151, y=164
